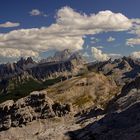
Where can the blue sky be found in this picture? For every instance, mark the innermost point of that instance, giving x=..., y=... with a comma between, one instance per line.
x=25, y=18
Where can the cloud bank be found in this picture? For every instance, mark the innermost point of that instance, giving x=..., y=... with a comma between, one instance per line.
x=15, y=53
x=67, y=32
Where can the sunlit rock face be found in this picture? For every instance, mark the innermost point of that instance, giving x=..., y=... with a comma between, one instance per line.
x=33, y=107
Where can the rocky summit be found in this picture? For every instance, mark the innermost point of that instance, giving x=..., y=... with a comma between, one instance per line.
x=65, y=98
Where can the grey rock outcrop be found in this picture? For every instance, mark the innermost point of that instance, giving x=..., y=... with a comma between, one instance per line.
x=123, y=70
x=129, y=95
x=124, y=125
x=35, y=106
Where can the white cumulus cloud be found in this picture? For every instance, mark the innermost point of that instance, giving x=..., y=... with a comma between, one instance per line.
x=37, y=12
x=135, y=55
x=9, y=24
x=16, y=53
x=67, y=32
x=94, y=23
x=136, y=31
x=133, y=41
x=111, y=39
x=99, y=55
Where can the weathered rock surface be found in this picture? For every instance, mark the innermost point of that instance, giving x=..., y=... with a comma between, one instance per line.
x=121, y=120
x=35, y=106
x=115, y=126
x=123, y=70
x=130, y=94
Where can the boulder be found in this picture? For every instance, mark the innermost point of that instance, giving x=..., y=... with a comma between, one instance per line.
x=6, y=106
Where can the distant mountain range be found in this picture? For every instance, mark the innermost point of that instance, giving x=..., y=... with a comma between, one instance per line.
x=60, y=62
x=122, y=70
x=63, y=64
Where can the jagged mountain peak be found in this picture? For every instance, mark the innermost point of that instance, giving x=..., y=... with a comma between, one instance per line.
x=25, y=61
x=64, y=55
x=66, y=52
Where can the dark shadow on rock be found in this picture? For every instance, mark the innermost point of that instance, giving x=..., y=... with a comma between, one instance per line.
x=135, y=84
x=90, y=114
x=114, y=126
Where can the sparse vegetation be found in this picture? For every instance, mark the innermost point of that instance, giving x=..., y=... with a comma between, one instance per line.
x=84, y=99
x=23, y=89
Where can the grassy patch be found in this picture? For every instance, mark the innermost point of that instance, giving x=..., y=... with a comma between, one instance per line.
x=82, y=100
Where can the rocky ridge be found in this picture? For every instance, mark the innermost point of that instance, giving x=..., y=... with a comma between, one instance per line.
x=63, y=64
x=122, y=70
x=33, y=107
